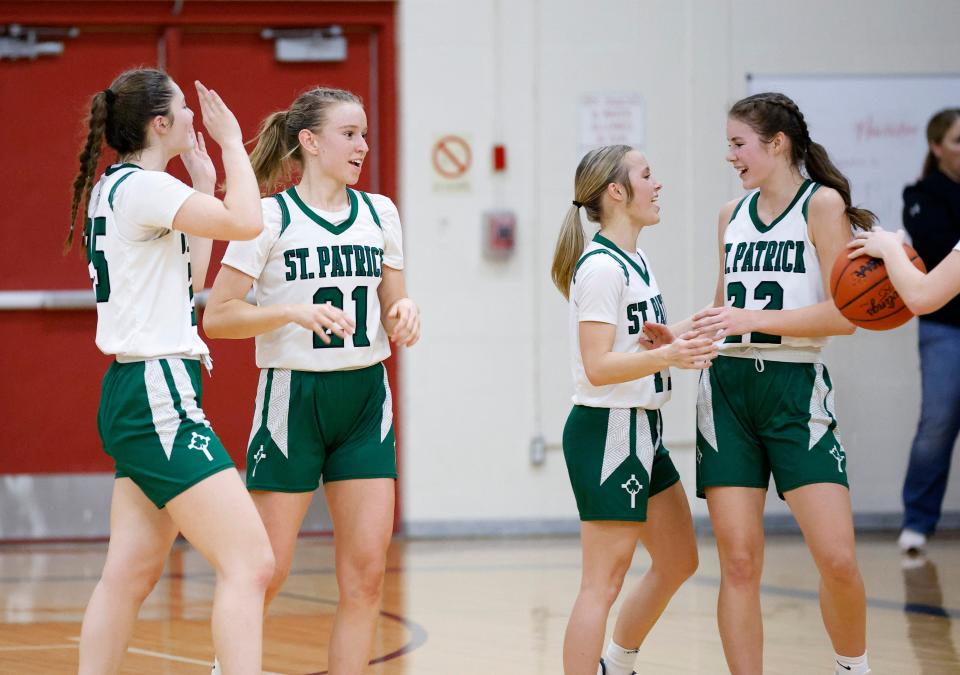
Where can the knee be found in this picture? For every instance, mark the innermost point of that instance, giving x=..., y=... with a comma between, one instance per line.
x=134, y=579
x=741, y=568
x=603, y=589
x=253, y=568
x=840, y=569
x=361, y=579
x=279, y=577
x=687, y=566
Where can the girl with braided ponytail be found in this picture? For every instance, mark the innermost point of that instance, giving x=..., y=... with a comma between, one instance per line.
x=626, y=487
x=148, y=240
x=766, y=406
x=327, y=274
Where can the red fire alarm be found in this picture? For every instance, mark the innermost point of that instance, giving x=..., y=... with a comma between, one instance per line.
x=499, y=158
x=499, y=233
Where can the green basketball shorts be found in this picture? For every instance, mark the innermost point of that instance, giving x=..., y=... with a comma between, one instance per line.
x=757, y=417
x=616, y=461
x=334, y=425
x=151, y=423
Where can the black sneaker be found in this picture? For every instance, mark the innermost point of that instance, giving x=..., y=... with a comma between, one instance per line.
x=603, y=668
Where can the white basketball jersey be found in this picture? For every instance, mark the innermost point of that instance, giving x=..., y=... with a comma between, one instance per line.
x=305, y=256
x=140, y=266
x=771, y=266
x=612, y=286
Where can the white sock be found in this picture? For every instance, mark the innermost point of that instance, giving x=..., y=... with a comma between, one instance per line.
x=619, y=661
x=851, y=665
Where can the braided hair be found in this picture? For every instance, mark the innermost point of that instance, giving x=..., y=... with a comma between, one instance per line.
x=771, y=113
x=118, y=115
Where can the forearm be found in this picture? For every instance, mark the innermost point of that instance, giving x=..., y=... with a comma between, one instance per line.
x=238, y=319
x=242, y=197
x=617, y=367
x=820, y=320
x=200, y=250
x=912, y=284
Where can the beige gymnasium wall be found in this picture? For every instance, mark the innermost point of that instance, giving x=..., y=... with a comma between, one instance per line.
x=491, y=373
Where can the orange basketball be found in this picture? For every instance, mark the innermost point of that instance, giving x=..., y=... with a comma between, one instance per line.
x=864, y=294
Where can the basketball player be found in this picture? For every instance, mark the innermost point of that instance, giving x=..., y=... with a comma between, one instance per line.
x=148, y=243
x=626, y=487
x=327, y=273
x=766, y=405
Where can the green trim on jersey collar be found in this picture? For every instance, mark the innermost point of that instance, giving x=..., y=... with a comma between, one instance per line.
x=643, y=272
x=322, y=222
x=806, y=202
x=626, y=274
x=373, y=211
x=117, y=167
x=113, y=190
x=755, y=217
x=284, y=213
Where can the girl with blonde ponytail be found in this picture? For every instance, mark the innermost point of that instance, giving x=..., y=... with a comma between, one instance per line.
x=327, y=274
x=148, y=239
x=625, y=484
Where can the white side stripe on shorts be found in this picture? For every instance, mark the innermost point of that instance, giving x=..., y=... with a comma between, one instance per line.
x=821, y=408
x=645, y=446
x=279, y=408
x=705, y=412
x=616, y=448
x=188, y=397
x=166, y=419
x=386, y=415
x=258, y=407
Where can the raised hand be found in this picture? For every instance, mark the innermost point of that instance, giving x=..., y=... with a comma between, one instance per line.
x=219, y=121
x=203, y=174
x=406, y=330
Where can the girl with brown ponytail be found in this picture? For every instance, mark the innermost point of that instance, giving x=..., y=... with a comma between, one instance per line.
x=766, y=406
x=148, y=239
x=327, y=275
x=626, y=487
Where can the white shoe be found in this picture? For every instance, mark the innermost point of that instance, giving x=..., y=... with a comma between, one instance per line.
x=911, y=541
x=216, y=667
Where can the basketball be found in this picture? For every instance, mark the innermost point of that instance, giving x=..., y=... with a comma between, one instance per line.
x=865, y=295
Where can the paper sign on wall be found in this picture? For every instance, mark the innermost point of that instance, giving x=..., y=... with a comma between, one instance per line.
x=611, y=119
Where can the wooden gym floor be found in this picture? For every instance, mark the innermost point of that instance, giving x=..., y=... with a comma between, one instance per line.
x=483, y=607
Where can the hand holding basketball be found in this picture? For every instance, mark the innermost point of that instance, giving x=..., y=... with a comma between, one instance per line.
x=861, y=289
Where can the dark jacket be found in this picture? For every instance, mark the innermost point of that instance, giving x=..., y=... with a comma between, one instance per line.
x=931, y=214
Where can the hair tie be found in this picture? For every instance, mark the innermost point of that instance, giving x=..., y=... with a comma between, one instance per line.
x=577, y=204
x=109, y=96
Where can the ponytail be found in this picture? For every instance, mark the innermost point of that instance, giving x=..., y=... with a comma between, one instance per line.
x=823, y=171
x=89, y=158
x=278, y=143
x=596, y=171
x=570, y=245
x=270, y=157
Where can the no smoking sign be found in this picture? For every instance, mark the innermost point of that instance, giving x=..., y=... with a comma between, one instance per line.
x=451, y=157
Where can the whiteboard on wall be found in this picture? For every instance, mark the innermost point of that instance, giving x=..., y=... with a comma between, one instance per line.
x=873, y=126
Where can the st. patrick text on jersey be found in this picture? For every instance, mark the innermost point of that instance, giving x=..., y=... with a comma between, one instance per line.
x=348, y=260
x=765, y=256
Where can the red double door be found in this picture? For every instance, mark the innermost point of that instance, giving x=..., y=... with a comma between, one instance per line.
x=51, y=368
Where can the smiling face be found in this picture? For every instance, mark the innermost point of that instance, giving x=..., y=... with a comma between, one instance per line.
x=752, y=159
x=947, y=152
x=643, y=207
x=341, y=144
